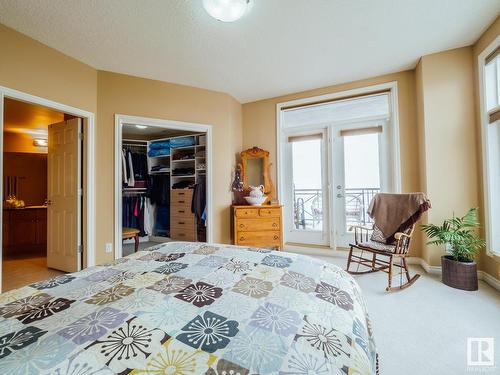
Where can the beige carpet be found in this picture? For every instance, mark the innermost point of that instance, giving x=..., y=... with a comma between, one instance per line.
x=423, y=330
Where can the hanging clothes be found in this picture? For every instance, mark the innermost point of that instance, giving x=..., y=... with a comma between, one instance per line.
x=199, y=201
x=124, y=169
x=131, y=177
x=159, y=189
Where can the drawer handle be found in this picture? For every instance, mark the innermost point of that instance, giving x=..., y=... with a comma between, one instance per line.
x=276, y=237
x=182, y=193
x=182, y=201
x=182, y=235
x=181, y=211
x=242, y=238
x=275, y=225
x=181, y=222
x=242, y=226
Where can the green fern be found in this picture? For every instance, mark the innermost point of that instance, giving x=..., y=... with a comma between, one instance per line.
x=460, y=233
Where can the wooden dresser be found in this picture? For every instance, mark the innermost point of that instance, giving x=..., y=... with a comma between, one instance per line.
x=182, y=220
x=259, y=226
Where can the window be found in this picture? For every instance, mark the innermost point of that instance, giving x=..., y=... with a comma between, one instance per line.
x=490, y=129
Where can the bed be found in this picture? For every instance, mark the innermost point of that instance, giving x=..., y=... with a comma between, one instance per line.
x=190, y=308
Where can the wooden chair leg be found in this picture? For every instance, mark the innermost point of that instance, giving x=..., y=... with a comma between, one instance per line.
x=407, y=271
x=136, y=245
x=389, y=281
x=349, y=260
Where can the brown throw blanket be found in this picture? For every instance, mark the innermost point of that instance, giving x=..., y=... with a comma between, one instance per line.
x=397, y=212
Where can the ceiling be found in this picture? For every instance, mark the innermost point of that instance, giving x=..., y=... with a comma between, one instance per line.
x=21, y=117
x=280, y=47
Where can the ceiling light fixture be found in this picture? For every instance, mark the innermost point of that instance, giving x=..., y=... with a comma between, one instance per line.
x=227, y=10
x=141, y=127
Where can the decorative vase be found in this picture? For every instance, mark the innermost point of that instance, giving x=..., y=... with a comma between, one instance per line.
x=459, y=275
x=237, y=188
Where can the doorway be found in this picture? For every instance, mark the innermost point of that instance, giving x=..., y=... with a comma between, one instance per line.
x=163, y=183
x=334, y=157
x=46, y=168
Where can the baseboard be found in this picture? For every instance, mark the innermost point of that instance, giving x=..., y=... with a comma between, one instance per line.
x=436, y=270
x=488, y=279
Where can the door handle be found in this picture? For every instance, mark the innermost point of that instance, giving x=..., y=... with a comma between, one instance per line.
x=340, y=196
x=49, y=202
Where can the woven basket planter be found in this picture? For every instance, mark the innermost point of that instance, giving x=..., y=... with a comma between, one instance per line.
x=459, y=275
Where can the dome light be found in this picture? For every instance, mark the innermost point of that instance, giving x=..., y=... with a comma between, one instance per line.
x=227, y=10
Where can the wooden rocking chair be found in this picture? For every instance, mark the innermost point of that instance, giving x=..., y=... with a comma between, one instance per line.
x=393, y=255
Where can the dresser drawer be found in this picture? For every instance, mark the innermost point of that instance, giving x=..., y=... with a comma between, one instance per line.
x=181, y=196
x=270, y=212
x=262, y=239
x=181, y=211
x=182, y=234
x=247, y=212
x=180, y=222
x=258, y=224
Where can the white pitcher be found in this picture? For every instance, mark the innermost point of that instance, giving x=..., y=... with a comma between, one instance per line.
x=257, y=191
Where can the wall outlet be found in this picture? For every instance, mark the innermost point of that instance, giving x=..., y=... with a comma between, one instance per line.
x=109, y=247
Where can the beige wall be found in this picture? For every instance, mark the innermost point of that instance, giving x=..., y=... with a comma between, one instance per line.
x=259, y=126
x=31, y=67
x=489, y=264
x=142, y=97
x=438, y=124
x=448, y=136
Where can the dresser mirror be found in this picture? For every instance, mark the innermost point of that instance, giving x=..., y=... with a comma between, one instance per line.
x=256, y=170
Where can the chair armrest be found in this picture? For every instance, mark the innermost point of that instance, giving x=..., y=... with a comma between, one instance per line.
x=399, y=235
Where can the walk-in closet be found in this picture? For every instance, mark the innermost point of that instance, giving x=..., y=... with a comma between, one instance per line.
x=164, y=194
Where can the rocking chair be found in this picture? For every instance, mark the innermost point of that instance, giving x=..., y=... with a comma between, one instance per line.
x=389, y=253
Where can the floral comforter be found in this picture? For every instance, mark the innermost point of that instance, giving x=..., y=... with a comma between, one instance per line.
x=190, y=308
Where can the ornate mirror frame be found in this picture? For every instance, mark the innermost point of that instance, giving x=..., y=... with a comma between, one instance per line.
x=256, y=152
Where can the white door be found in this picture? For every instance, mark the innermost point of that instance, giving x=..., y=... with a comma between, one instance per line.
x=360, y=170
x=306, y=213
x=63, y=196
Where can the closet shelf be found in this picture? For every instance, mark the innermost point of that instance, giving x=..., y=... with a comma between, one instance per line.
x=182, y=148
x=186, y=175
x=159, y=156
x=180, y=160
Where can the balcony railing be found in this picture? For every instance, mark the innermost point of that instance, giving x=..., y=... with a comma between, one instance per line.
x=308, y=207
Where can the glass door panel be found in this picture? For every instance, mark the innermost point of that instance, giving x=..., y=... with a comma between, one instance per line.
x=307, y=213
x=358, y=179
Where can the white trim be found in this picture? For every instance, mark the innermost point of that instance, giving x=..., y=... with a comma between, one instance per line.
x=394, y=159
x=484, y=143
x=120, y=120
x=488, y=279
x=89, y=154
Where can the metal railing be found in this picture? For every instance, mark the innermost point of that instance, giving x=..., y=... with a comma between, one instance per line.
x=308, y=207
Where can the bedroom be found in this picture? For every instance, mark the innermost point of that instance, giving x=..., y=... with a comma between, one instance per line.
x=180, y=64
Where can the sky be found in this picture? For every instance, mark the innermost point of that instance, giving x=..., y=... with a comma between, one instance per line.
x=361, y=162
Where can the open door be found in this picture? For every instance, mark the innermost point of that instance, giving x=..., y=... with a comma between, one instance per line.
x=64, y=196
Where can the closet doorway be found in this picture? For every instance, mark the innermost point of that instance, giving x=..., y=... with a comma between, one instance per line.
x=163, y=183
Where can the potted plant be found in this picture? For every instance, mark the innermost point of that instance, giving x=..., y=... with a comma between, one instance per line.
x=459, y=235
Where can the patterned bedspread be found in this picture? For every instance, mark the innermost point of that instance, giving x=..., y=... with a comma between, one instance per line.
x=190, y=308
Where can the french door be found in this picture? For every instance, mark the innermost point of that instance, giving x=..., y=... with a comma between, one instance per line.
x=306, y=189
x=330, y=176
